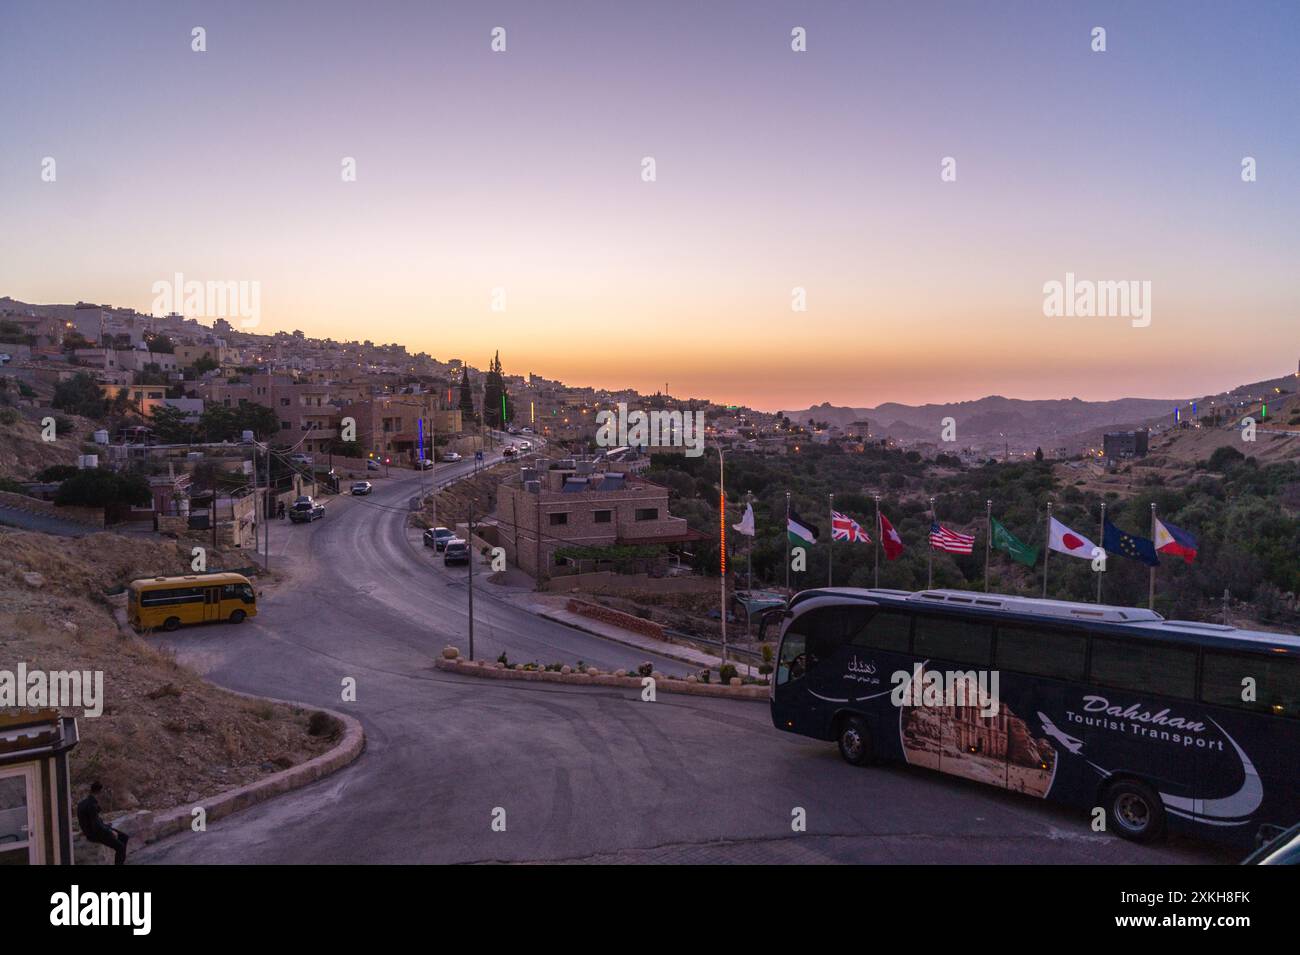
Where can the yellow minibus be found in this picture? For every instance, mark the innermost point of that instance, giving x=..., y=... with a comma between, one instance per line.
x=168, y=602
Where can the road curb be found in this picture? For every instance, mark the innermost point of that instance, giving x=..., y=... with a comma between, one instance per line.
x=481, y=668
x=148, y=827
x=626, y=643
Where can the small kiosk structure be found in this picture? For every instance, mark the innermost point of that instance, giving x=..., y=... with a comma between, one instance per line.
x=35, y=791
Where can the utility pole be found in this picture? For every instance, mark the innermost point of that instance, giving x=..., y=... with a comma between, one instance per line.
x=470, y=548
x=830, y=545
x=257, y=517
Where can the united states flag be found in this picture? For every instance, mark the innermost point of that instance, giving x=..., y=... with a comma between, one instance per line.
x=943, y=539
x=845, y=528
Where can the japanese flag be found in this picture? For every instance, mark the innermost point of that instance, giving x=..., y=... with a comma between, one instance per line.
x=1067, y=541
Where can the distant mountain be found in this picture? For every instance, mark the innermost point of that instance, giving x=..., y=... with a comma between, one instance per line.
x=995, y=418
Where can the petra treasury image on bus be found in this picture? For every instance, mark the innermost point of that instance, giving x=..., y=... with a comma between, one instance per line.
x=606, y=433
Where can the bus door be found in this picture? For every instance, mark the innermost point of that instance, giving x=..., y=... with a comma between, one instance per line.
x=1245, y=766
x=964, y=734
x=211, y=603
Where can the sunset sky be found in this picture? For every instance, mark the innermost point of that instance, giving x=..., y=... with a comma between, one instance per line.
x=776, y=169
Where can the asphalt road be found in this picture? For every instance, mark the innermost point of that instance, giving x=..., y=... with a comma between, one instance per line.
x=582, y=774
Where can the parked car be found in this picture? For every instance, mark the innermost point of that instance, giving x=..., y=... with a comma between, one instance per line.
x=526, y=431
x=1278, y=846
x=300, y=458
x=525, y=445
x=455, y=551
x=305, y=510
x=423, y=464
x=372, y=464
x=509, y=451
x=437, y=537
x=450, y=456
x=362, y=487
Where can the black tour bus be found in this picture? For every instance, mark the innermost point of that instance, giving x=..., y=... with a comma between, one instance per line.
x=1162, y=723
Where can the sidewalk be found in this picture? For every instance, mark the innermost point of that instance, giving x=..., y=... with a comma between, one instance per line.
x=552, y=607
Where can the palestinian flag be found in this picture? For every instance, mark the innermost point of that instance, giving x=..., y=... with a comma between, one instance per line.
x=1016, y=549
x=800, y=531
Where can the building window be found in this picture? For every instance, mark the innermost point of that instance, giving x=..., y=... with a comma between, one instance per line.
x=559, y=519
x=284, y=402
x=285, y=425
x=647, y=513
x=604, y=517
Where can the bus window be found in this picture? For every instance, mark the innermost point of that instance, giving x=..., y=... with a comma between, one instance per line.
x=886, y=630
x=953, y=638
x=814, y=636
x=241, y=592
x=1276, y=682
x=1144, y=667
x=171, y=596
x=793, y=658
x=1052, y=653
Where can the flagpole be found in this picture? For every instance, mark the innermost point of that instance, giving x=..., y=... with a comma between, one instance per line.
x=830, y=545
x=1102, y=531
x=722, y=549
x=749, y=551
x=876, y=582
x=1047, y=550
x=749, y=564
x=1151, y=585
x=988, y=540
x=929, y=561
x=787, y=542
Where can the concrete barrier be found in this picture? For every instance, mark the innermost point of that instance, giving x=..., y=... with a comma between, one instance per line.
x=495, y=671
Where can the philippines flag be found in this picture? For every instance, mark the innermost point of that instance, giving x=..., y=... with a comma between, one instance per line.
x=1175, y=540
x=889, y=539
x=845, y=528
x=943, y=539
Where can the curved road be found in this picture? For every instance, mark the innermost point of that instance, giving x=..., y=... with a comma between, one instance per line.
x=582, y=774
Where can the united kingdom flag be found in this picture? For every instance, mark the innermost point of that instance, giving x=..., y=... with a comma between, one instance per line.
x=845, y=528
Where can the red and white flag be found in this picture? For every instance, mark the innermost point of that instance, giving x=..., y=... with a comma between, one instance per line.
x=1067, y=541
x=954, y=542
x=889, y=539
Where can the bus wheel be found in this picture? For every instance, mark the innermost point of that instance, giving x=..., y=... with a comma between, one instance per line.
x=1136, y=811
x=855, y=741
x=237, y=616
x=171, y=623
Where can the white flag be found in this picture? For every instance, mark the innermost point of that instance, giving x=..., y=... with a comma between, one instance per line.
x=746, y=525
x=1066, y=541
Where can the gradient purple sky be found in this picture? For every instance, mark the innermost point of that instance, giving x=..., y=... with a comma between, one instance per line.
x=775, y=169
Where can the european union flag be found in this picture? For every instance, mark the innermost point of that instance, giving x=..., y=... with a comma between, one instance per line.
x=1123, y=544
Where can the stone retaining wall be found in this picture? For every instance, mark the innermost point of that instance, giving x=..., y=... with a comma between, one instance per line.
x=615, y=618
x=90, y=516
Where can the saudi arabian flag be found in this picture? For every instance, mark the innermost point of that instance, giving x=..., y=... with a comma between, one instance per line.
x=1003, y=539
x=799, y=530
